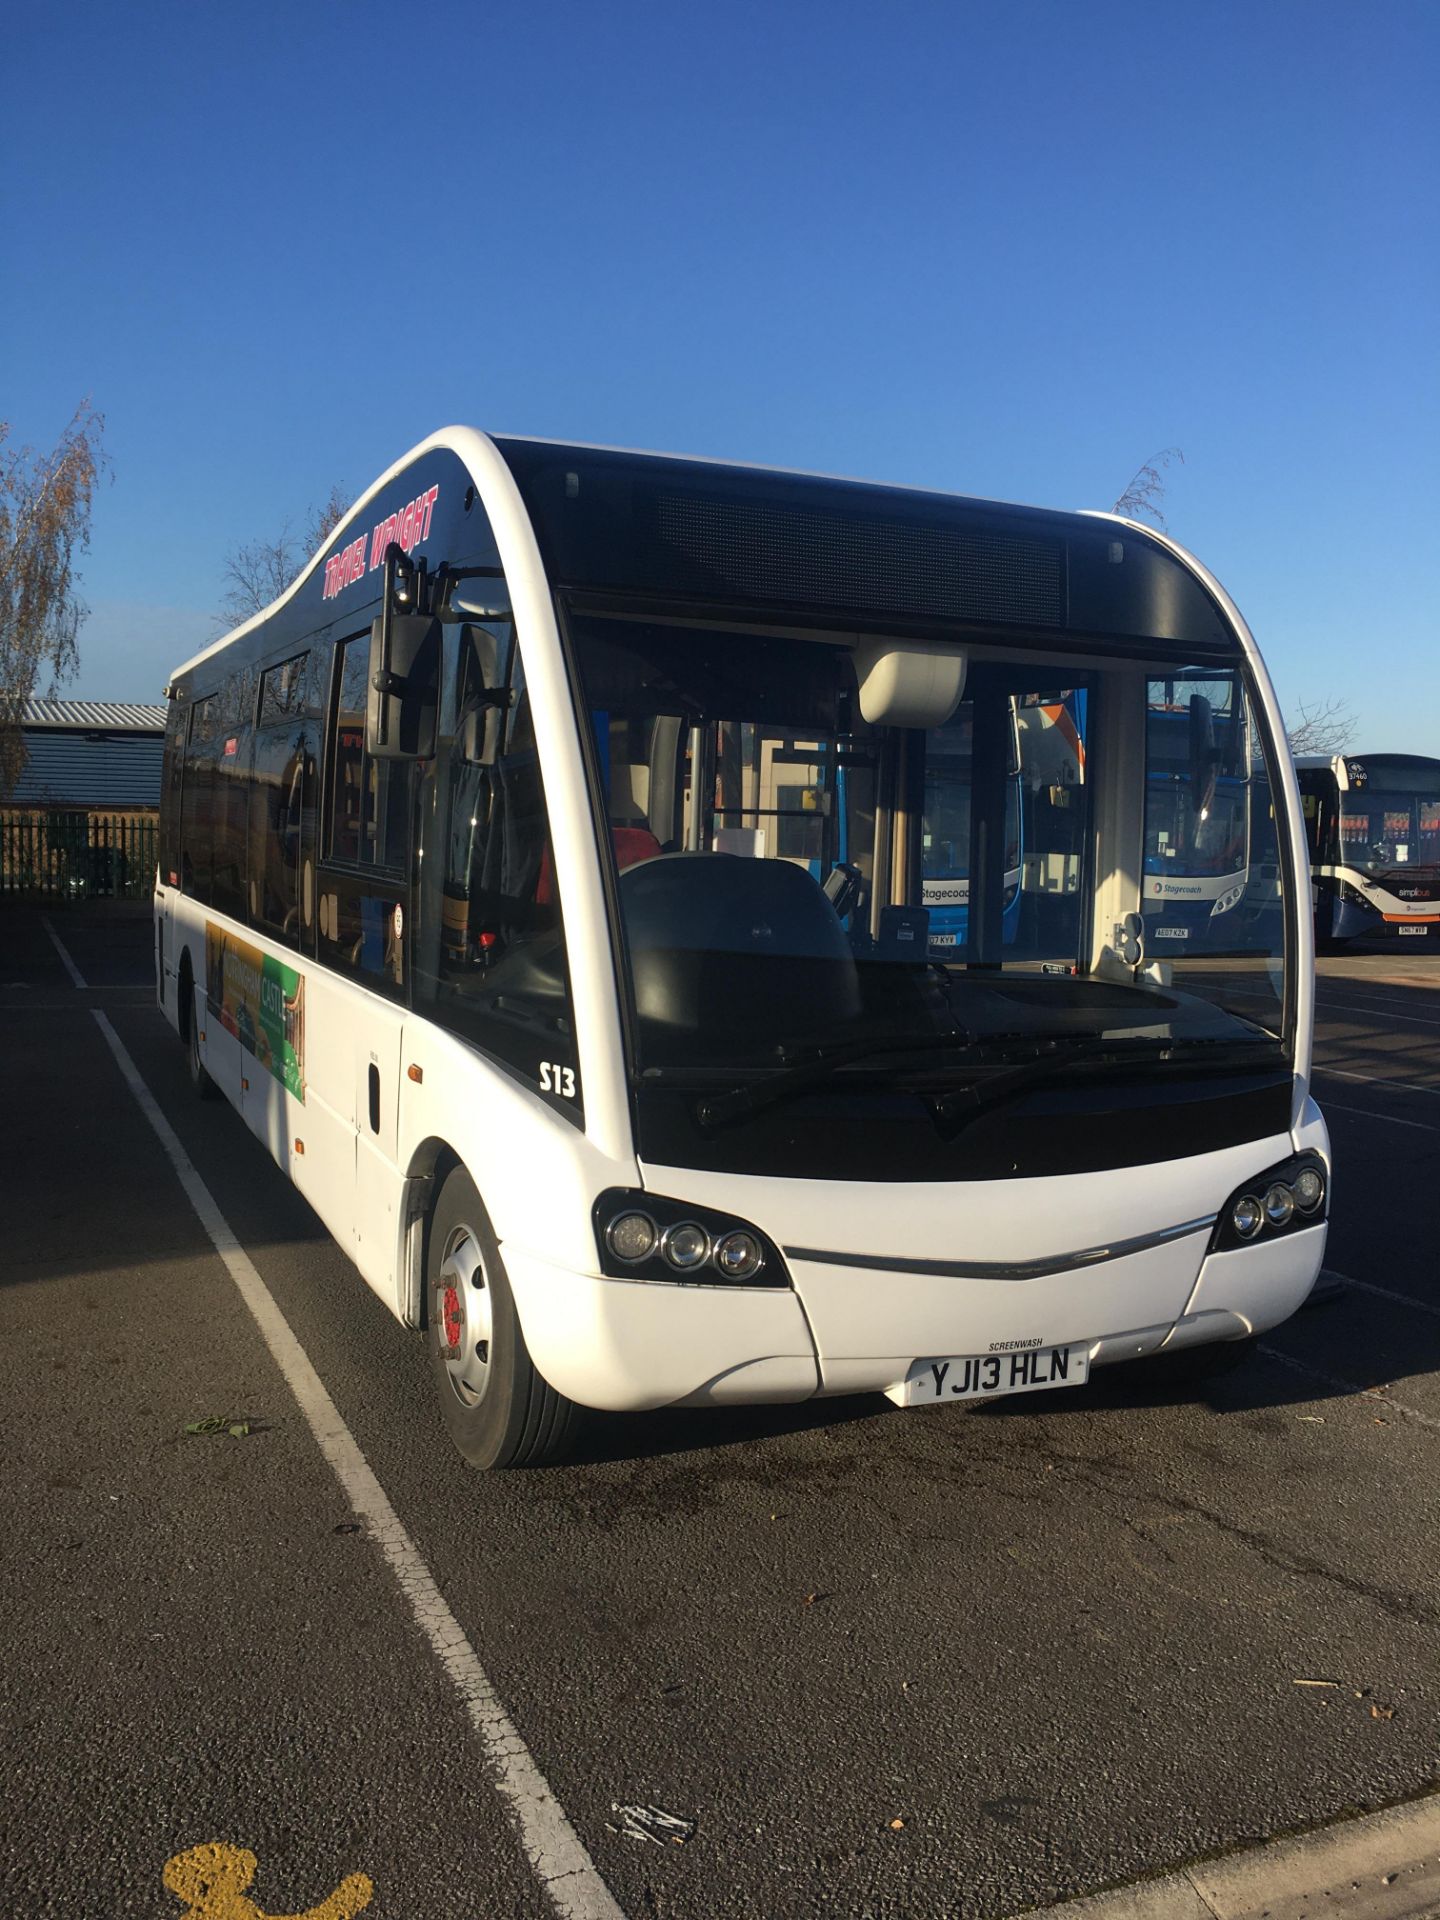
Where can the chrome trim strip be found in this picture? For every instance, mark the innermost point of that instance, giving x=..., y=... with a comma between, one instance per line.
x=1006, y=1269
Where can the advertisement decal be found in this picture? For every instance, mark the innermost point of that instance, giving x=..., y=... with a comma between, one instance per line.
x=261, y=1001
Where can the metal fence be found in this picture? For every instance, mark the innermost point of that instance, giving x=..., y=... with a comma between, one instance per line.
x=76, y=853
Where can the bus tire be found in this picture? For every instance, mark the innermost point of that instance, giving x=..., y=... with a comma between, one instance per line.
x=497, y=1408
x=199, y=1079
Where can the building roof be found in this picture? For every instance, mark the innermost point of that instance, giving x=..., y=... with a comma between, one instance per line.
x=114, y=716
x=89, y=753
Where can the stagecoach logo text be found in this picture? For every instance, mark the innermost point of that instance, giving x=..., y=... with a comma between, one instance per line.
x=406, y=529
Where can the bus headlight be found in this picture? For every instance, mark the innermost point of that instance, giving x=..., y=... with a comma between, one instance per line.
x=739, y=1256
x=1283, y=1199
x=686, y=1246
x=1279, y=1205
x=1247, y=1216
x=643, y=1236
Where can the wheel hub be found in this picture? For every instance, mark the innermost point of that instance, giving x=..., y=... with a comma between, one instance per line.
x=463, y=1316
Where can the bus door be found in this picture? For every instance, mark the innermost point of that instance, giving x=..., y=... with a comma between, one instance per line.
x=363, y=934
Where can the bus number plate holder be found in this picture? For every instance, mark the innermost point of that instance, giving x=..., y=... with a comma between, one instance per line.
x=988, y=1376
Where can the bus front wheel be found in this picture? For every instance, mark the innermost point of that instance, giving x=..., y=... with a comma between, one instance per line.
x=498, y=1410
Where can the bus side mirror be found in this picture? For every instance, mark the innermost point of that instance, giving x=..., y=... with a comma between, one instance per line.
x=484, y=697
x=1202, y=755
x=403, y=683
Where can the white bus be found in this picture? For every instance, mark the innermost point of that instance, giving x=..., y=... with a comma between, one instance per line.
x=1373, y=821
x=631, y=1099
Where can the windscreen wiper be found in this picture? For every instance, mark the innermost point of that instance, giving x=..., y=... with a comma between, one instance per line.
x=955, y=1110
x=1050, y=1054
x=738, y=1103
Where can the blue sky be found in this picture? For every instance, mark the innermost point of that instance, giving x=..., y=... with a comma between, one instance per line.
x=1009, y=251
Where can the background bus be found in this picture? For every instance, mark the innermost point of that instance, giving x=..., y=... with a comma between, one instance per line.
x=1197, y=813
x=1373, y=825
x=945, y=832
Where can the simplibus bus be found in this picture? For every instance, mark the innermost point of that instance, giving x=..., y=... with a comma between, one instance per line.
x=1197, y=833
x=622, y=1102
x=1373, y=824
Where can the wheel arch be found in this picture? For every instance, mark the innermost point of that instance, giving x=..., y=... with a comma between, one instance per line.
x=425, y=1174
x=185, y=996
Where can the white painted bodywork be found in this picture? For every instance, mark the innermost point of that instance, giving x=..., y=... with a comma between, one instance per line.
x=624, y=1345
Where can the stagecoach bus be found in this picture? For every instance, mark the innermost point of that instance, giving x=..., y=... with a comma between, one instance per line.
x=1373, y=824
x=1196, y=857
x=498, y=893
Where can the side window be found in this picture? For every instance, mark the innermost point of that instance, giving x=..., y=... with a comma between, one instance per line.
x=197, y=821
x=494, y=966
x=282, y=799
x=364, y=892
x=368, y=811
x=282, y=691
x=172, y=782
x=231, y=803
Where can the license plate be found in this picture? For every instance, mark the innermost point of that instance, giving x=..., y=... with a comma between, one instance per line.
x=942, y=940
x=985, y=1376
x=1412, y=931
x=1170, y=933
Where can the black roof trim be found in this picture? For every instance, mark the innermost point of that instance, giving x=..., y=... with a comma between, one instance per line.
x=701, y=534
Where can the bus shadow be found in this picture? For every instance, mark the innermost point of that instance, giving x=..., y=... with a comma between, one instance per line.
x=1331, y=1351
x=609, y=1438
x=1327, y=1352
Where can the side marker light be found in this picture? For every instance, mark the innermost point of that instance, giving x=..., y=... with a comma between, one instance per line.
x=632, y=1237
x=1308, y=1189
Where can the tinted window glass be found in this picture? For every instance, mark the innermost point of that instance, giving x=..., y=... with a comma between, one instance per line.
x=283, y=691
x=494, y=967
x=197, y=825
x=368, y=810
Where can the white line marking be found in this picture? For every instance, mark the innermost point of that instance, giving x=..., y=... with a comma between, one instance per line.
x=565, y=1870
x=1390, y=1119
x=77, y=979
x=1404, y=1299
x=1350, y=1386
x=1374, y=1079
x=1362, y=1009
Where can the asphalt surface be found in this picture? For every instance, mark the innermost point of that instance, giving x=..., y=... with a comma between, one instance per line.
x=1058, y=1637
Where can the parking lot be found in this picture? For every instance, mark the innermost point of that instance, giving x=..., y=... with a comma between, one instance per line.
x=958, y=1662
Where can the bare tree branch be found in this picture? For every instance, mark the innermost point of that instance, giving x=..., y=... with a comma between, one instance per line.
x=326, y=517
x=1146, y=489
x=257, y=574
x=1321, y=726
x=44, y=522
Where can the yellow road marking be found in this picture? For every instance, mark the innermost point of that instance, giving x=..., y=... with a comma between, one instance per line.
x=213, y=1878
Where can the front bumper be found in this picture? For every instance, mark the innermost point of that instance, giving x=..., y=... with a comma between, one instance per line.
x=628, y=1346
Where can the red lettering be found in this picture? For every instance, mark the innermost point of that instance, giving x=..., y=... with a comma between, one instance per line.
x=405, y=529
